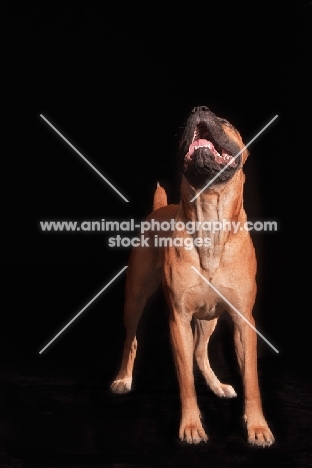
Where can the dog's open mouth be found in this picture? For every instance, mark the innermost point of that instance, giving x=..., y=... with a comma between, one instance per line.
x=207, y=150
x=201, y=139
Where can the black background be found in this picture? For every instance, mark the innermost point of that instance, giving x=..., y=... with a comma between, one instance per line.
x=119, y=83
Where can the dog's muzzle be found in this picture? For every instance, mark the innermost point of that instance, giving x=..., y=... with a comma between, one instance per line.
x=206, y=149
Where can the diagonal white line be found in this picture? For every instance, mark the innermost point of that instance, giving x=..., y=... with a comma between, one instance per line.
x=235, y=310
x=229, y=163
x=83, y=309
x=85, y=159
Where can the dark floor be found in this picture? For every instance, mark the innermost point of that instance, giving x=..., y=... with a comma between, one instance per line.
x=66, y=418
x=57, y=410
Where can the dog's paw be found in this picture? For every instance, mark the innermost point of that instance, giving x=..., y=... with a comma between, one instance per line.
x=224, y=391
x=192, y=433
x=121, y=385
x=260, y=436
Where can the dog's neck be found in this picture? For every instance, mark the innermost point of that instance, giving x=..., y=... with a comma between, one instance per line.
x=216, y=204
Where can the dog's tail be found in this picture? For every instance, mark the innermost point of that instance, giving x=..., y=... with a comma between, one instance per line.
x=160, y=197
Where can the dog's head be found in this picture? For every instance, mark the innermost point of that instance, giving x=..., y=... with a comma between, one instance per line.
x=208, y=144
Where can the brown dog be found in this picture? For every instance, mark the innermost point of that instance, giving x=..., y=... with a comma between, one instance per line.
x=224, y=258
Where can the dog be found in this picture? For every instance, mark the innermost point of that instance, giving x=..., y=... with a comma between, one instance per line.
x=200, y=278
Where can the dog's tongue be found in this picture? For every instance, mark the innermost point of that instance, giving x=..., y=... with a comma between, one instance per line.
x=223, y=158
x=200, y=142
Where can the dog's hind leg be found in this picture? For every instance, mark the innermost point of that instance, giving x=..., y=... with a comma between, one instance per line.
x=202, y=332
x=143, y=278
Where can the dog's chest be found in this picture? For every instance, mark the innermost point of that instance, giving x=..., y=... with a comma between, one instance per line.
x=210, y=256
x=201, y=301
x=207, y=312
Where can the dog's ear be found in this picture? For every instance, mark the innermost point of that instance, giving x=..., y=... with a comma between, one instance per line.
x=245, y=153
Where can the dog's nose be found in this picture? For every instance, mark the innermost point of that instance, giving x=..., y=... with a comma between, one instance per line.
x=199, y=109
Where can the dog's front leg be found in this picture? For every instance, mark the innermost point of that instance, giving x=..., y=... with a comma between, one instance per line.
x=246, y=348
x=191, y=429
